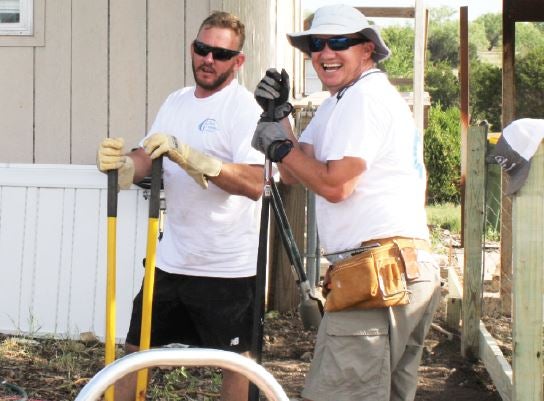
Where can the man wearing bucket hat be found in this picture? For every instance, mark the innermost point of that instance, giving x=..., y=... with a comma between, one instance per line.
x=362, y=155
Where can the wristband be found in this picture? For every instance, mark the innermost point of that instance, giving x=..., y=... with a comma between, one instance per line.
x=279, y=149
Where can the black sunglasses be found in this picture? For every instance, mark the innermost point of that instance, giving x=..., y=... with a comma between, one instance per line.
x=337, y=43
x=218, y=53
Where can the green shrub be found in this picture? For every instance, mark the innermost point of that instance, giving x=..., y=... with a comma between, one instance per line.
x=530, y=84
x=442, y=84
x=486, y=94
x=442, y=152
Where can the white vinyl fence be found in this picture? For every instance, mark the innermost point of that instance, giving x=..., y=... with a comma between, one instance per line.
x=53, y=242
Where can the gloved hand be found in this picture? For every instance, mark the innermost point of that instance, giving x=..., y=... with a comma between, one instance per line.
x=274, y=87
x=270, y=138
x=197, y=164
x=110, y=156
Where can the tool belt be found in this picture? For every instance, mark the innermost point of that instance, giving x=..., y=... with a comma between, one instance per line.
x=376, y=277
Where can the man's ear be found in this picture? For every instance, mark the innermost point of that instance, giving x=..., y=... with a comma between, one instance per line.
x=240, y=60
x=369, y=47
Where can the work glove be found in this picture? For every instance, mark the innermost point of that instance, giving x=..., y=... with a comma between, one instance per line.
x=110, y=156
x=274, y=87
x=271, y=139
x=197, y=164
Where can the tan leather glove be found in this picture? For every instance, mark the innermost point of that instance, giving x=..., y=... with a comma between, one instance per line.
x=197, y=164
x=110, y=156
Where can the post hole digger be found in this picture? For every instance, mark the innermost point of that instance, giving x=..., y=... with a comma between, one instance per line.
x=150, y=259
x=111, y=273
x=152, y=237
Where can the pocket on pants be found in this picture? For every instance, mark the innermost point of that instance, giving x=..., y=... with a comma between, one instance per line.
x=356, y=358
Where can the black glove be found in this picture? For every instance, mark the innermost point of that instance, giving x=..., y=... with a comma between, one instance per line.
x=271, y=139
x=274, y=87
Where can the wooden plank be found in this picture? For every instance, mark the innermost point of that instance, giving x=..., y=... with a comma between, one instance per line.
x=419, y=65
x=388, y=12
x=454, y=300
x=473, y=228
x=528, y=258
x=16, y=104
x=508, y=115
x=89, y=78
x=524, y=10
x=166, y=53
x=464, y=103
x=53, y=91
x=127, y=72
x=496, y=364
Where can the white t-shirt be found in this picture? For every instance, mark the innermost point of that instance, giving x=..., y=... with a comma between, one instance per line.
x=209, y=232
x=373, y=122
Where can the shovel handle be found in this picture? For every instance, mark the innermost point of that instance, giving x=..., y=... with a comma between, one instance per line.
x=149, y=278
x=111, y=272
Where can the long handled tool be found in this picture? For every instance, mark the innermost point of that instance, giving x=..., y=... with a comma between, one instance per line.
x=310, y=307
x=111, y=273
x=149, y=277
x=260, y=278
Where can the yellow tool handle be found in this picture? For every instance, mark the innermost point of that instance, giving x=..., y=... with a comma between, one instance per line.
x=109, y=353
x=149, y=277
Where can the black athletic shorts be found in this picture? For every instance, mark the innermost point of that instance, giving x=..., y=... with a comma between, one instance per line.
x=205, y=312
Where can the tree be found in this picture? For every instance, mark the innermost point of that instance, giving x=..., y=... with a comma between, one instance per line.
x=530, y=84
x=442, y=84
x=401, y=42
x=492, y=23
x=528, y=38
x=442, y=152
x=486, y=93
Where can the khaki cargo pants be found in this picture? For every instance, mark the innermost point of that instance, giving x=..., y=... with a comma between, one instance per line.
x=374, y=354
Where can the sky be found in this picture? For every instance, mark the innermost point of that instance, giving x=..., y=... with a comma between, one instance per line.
x=475, y=7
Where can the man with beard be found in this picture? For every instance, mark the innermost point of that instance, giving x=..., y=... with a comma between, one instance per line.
x=206, y=259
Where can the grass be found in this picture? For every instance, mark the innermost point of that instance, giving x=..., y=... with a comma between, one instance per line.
x=445, y=216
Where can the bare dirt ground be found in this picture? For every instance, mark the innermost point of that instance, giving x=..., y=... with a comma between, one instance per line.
x=52, y=370
x=56, y=370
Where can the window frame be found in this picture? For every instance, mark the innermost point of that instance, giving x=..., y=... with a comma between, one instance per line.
x=25, y=26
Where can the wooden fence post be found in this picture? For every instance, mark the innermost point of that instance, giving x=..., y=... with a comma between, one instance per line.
x=473, y=230
x=528, y=264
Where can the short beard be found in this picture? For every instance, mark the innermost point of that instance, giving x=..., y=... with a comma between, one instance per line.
x=215, y=84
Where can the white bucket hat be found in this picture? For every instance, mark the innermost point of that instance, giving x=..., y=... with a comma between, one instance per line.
x=339, y=19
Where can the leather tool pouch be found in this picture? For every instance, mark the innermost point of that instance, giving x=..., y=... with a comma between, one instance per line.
x=373, y=279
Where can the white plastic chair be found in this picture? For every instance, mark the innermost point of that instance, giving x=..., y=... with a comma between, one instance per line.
x=266, y=383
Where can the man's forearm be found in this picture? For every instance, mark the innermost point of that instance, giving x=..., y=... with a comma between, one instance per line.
x=241, y=179
x=142, y=164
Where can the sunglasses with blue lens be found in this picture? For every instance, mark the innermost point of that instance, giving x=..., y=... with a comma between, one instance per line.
x=336, y=43
x=218, y=53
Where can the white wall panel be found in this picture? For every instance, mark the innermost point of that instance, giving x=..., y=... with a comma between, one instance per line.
x=54, y=244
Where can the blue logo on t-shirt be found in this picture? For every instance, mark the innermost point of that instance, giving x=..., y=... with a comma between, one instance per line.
x=208, y=125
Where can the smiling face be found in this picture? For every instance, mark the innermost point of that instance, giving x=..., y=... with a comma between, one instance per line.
x=212, y=75
x=337, y=69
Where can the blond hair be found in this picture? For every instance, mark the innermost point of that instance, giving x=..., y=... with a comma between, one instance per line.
x=222, y=19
